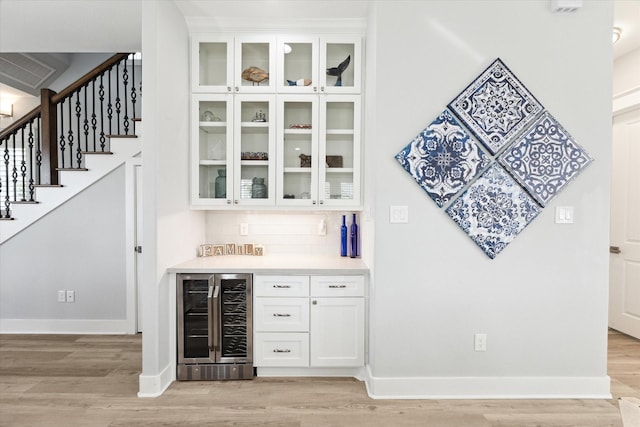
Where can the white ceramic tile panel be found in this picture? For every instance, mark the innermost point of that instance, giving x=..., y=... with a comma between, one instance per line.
x=280, y=233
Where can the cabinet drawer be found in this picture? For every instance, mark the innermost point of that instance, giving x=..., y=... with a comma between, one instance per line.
x=281, y=286
x=281, y=314
x=281, y=349
x=337, y=286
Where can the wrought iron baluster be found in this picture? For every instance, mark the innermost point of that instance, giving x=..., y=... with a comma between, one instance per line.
x=14, y=170
x=70, y=136
x=31, y=161
x=94, y=121
x=85, y=121
x=78, y=114
x=38, y=152
x=118, y=103
x=133, y=91
x=7, y=200
x=125, y=82
x=23, y=167
x=62, y=139
x=101, y=94
x=109, y=106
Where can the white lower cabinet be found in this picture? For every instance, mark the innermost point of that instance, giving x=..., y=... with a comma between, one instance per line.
x=309, y=321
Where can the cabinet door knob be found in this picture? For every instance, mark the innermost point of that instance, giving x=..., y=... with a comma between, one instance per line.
x=314, y=302
x=228, y=88
x=322, y=202
x=237, y=90
x=315, y=88
x=228, y=201
x=314, y=202
x=235, y=201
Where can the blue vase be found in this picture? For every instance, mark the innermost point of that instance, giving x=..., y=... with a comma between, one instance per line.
x=343, y=236
x=354, y=238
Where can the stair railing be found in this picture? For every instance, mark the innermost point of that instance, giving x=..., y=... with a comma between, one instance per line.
x=58, y=133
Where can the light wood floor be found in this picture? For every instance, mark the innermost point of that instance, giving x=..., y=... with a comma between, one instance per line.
x=62, y=380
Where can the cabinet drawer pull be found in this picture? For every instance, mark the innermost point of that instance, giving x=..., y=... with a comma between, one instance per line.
x=282, y=286
x=277, y=350
x=281, y=315
x=337, y=286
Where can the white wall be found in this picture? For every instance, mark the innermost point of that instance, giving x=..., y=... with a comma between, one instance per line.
x=626, y=73
x=543, y=300
x=171, y=231
x=76, y=247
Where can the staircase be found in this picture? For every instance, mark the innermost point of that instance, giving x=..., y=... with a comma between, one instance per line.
x=72, y=140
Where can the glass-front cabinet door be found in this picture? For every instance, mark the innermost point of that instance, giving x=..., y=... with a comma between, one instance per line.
x=222, y=64
x=212, y=64
x=297, y=64
x=255, y=64
x=297, y=150
x=340, y=64
x=255, y=141
x=339, y=173
x=211, y=149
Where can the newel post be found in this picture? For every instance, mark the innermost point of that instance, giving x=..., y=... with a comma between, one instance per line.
x=49, y=118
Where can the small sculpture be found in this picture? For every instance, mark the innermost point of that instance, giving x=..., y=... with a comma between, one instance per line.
x=255, y=75
x=337, y=71
x=299, y=82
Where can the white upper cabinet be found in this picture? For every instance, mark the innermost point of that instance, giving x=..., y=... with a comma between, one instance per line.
x=318, y=146
x=225, y=64
x=308, y=64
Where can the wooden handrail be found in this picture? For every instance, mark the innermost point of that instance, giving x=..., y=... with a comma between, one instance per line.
x=91, y=75
x=20, y=122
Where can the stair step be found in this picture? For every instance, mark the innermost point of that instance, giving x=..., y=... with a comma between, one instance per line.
x=97, y=152
x=121, y=136
x=25, y=202
x=6, y=219
x=73, y=169
x=137, y=119
x=48, y=185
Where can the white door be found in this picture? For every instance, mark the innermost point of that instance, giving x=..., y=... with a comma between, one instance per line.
x=624, y=281
x=138, y=243
x=336, y=334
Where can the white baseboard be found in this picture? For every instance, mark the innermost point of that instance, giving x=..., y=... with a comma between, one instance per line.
x=155, y=385
x=358, y=372
x=64, y=326
x=489, y=387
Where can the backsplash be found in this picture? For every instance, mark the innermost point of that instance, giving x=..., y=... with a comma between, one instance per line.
x=279, y=233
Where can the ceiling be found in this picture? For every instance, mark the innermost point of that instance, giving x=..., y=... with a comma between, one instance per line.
x=626, y=17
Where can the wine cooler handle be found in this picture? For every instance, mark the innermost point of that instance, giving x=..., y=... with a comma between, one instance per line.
x=210, y=315
x=213, y=320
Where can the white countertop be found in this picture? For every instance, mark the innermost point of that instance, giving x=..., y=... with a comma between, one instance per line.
x=273, y=264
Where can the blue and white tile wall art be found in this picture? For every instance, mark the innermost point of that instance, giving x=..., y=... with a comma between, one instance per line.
x=536, y=158
x=496, y=106
x=493, y=210
x=545, y=158
x=443, y=158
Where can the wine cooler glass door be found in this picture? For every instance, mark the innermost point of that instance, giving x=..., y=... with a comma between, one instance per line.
x=194, y=310
x=234, y=316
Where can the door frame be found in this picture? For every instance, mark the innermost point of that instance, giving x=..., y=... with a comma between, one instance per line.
x=131, y=225
x=623, y=103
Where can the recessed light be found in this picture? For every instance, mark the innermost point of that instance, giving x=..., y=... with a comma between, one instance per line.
x=617, y=32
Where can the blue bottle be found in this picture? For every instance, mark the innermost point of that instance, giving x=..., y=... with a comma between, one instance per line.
x=354, y=238
x=343, y=236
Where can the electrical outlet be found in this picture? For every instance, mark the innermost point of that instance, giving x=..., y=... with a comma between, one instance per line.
x=244, y=229
x=322, y=228
x=71, y=296
x=398, y=214
x=481, y=342
x=62, y=296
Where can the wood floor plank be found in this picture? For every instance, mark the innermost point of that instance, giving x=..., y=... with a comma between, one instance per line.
x=92, y=380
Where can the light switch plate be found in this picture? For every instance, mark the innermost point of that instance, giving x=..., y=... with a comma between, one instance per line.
x=398, y=214
x=244, y=229
x=564, y=215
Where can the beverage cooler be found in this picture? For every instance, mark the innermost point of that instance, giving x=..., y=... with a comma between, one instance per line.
x=214, y=326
